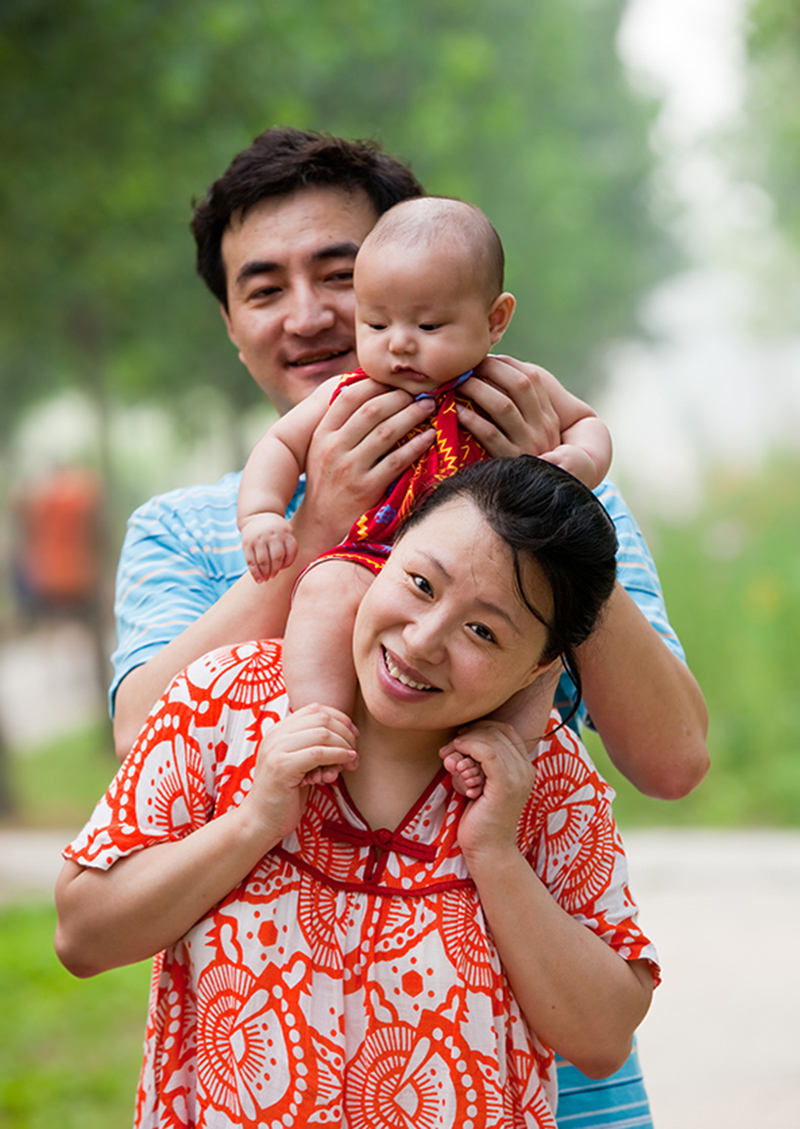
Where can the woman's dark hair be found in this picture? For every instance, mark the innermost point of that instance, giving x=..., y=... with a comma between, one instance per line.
x=284, y=160
x=544, y=514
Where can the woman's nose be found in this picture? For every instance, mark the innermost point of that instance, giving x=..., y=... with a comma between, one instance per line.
x=306, y=312
x=426, y=638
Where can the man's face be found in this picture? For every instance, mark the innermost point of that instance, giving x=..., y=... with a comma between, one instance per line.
x=289, y=269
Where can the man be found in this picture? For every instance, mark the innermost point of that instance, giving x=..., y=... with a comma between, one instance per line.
x=276, y=240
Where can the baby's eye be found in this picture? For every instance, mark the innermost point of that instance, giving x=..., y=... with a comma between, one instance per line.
x=376, y=327
x=429, y=327
x=421, y=584
x=483, y=632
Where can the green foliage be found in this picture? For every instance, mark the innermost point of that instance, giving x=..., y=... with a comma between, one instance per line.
x=70, y=1050
x=774, y=103
x=733, y=592
x=115, y=113
x=58, y=784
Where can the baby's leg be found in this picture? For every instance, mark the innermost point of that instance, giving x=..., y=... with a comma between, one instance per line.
x=318, y=647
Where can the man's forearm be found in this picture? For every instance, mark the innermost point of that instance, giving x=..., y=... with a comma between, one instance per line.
x=644, y=703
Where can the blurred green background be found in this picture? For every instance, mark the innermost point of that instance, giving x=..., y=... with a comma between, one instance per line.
x=114, y=114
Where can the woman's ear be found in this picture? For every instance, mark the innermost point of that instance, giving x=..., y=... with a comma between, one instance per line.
x=541, y=669
x=500, y=314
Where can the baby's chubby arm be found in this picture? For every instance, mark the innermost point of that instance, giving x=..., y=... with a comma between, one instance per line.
x=269, y=480
x=585, y=448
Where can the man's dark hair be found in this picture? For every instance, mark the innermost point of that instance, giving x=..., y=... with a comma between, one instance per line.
x=281, y=161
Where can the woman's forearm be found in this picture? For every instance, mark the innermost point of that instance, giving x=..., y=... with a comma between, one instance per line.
x=644, y=703
x=577, y=994
x=149, y=900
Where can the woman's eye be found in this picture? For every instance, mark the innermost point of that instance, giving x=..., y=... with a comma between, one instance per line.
x=421, y=584
x=483, y=632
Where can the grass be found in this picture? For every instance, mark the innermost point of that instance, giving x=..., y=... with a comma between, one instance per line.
x=57, y=784
x=70, y=1050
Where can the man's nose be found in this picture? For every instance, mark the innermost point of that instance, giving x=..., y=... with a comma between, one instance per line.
x=307, y=311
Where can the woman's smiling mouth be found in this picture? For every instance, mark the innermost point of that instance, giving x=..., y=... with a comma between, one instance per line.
x=400, y=675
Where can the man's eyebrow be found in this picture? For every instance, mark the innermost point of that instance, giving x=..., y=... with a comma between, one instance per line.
x=345, y=250
x=255, y=267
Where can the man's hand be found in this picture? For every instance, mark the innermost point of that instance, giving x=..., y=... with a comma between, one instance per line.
x=515, y=396
x=352, y=461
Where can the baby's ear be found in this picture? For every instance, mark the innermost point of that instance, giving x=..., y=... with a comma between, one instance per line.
x=500, y=315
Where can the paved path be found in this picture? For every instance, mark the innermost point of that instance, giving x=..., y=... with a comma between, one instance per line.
x=721, y=1045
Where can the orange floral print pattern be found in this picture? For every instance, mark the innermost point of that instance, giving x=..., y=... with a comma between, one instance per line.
x=351, y=979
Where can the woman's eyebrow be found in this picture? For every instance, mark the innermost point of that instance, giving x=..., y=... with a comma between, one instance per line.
x=495, y=609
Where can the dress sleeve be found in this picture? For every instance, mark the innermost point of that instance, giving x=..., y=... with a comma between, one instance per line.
x=637, y=574
x=194, y=756
x=576, y=849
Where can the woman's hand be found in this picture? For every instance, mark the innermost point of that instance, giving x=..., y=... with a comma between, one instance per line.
x=489, y=823
x=151, y=898
x=311, y=746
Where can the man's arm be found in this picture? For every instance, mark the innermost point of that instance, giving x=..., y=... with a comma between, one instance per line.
x=641, y=697
x=166, y=571
x=644, y=702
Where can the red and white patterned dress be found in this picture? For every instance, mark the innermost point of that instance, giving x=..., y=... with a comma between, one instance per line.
x=351, y=979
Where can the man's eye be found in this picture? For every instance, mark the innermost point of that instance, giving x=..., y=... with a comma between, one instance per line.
x=483, y=632
x=265, y=292
x=342, y=276
x=421, y=584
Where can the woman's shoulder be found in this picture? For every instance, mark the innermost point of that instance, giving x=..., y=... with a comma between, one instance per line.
x=239, y=672
x=569, y=793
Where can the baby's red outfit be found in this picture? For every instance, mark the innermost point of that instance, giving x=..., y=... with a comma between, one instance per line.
x=370, y=540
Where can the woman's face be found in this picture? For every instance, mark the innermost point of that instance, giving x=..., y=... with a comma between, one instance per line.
x=442, y=636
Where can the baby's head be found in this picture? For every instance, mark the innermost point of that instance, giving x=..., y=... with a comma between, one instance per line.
x=429, y=293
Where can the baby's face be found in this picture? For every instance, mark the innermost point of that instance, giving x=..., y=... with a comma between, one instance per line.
x=419, y=321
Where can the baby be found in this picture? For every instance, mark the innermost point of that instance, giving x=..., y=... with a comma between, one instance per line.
x=430, y=305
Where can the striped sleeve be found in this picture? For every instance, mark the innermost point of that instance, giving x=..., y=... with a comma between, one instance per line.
x=182, y=551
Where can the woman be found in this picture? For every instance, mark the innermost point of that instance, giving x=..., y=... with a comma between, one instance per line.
x=380, y=952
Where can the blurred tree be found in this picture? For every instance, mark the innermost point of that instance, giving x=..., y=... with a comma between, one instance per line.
x=774, y=103
x=116, y=112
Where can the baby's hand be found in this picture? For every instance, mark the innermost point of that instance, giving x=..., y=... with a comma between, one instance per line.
x=576, y=461
x=269, y=545
x=468, y=776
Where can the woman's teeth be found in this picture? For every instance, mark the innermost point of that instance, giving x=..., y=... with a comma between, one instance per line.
x=397, y=673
